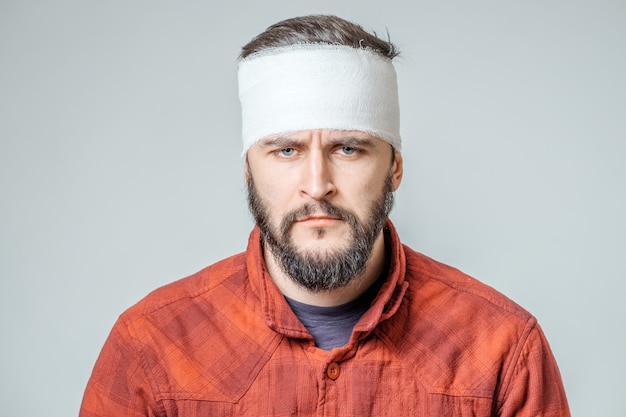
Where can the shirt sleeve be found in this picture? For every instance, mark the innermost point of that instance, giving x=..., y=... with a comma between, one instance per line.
x=532, y=386
x=118, y=385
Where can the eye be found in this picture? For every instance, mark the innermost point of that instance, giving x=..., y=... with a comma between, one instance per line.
x=287, y=151
x=348, y=150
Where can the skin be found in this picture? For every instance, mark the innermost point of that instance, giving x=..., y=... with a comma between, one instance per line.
x=345, y=168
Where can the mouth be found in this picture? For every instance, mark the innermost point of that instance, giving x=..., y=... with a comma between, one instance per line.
x=319, y=221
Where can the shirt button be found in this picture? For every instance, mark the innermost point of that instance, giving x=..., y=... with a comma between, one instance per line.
x=333, y=371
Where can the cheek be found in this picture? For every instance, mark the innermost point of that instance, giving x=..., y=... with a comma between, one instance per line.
x=276, y=196
x=366, y=185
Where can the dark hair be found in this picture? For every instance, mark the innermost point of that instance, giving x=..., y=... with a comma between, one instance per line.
x=318, y=29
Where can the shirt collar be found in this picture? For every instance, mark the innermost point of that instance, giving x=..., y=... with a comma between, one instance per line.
x=278, y=314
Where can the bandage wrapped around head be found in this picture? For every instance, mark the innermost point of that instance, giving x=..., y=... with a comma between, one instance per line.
x=318, y=86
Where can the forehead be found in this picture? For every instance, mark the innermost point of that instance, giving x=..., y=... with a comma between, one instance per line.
x=324, y=137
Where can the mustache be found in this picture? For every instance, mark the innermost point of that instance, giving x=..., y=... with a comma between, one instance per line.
x=320, y=208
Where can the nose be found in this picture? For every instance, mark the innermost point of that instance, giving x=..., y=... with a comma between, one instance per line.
x=317, y=180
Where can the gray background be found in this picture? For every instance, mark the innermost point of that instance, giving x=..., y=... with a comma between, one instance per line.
x=120, y=167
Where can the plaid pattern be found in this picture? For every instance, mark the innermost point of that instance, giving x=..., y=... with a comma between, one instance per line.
x=224, y=342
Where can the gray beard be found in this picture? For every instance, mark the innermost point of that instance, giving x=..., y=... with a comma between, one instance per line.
x=323, y=270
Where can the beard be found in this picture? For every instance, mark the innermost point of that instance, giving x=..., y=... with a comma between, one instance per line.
x=322, y=270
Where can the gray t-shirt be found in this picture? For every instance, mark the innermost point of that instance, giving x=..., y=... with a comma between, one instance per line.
x=332, y=326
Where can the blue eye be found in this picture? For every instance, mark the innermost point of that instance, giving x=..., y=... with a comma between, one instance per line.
x=348, y=150
x=287, y=151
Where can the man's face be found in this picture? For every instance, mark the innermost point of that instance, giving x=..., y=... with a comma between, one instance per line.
x=321, y=199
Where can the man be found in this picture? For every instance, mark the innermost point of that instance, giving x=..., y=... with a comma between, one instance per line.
x=326, y=313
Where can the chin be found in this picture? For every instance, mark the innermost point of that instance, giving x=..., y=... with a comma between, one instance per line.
x=316, y=234
x=321, y=249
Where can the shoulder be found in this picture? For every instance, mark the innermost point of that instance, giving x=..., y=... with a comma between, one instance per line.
x=435, y=282
x=473, y=332
x=225, y=275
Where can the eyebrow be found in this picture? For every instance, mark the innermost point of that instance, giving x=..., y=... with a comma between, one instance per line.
x=289, y=142
x=280, y=142
x=292, y=142
x=352, y=141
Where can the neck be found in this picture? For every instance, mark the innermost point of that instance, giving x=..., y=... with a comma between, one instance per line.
x=289, y=288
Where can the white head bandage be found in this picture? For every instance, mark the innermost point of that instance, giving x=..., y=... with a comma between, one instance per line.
x=318, y=86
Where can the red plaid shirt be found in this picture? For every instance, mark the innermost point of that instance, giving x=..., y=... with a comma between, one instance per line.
x=224, y=342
